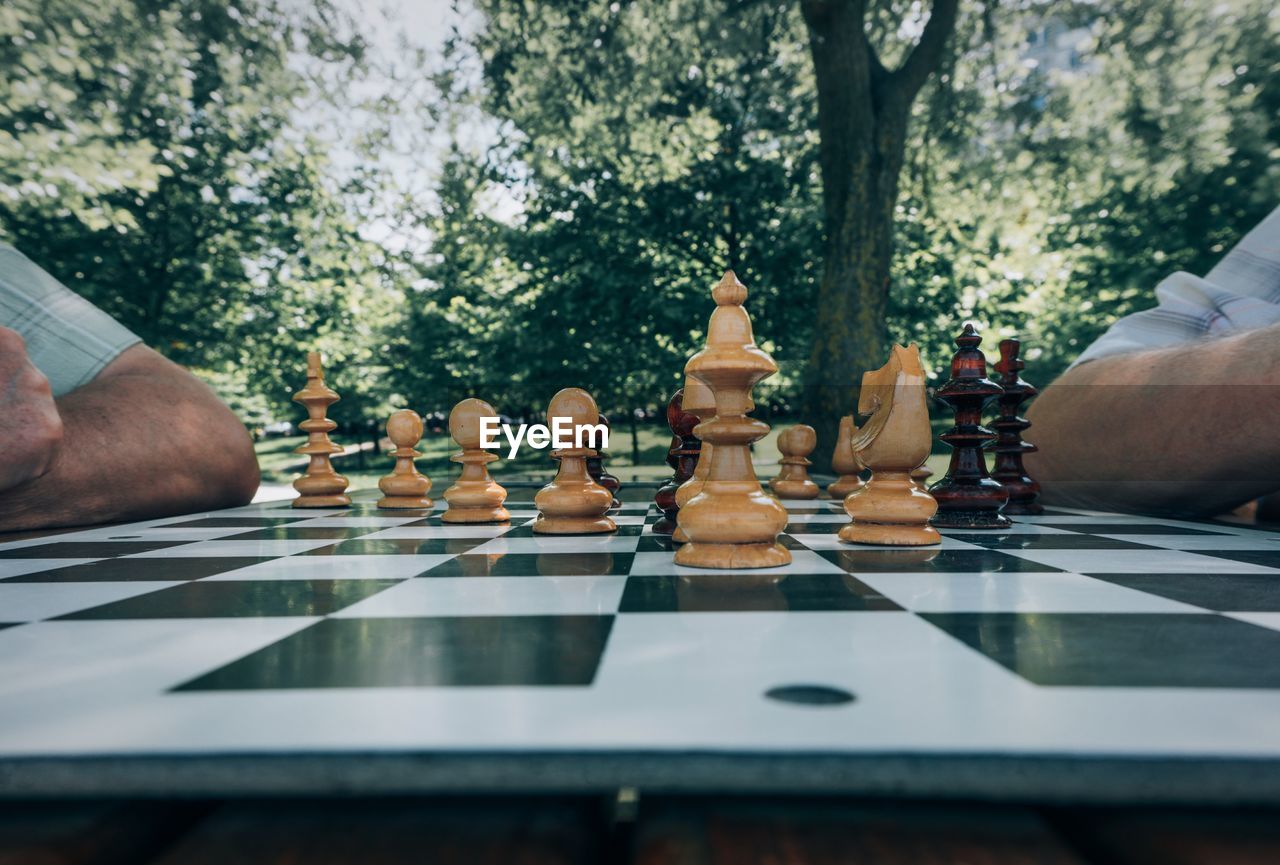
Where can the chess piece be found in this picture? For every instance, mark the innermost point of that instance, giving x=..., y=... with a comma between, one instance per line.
x=890, y=509
x=967, y=496
x=1009, y=446
x=595, y=468
x=405, y=487
x=474, y=497
x=732, y=523
x=920, y=476
x=698, y=402
x=320, y=486
x=682, y=457
x=845, y=462
x=793, y=482
x=573, y=503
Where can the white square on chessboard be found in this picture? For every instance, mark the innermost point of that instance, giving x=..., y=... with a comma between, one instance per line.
x=96, y=664
x=19, y=567
x=28, y=602
x=1018, y=528
x=1262, y=620
x=833, y=542
x=354, y=522
x=801, y=519
x=334, y=568
x=934, y=592
x=1137, y=562
x=493, y=596
x=154, y=533
x=560, y=544
x=802, y=562
x=422, y=533
x=261, y=549
x=627, y=519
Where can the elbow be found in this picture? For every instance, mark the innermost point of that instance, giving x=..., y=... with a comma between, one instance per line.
x=244, y=476
x=239, y=483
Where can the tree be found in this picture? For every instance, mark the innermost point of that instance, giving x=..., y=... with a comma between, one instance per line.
x=863, y=114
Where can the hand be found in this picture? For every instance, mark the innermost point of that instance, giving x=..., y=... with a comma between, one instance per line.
x=30, y=426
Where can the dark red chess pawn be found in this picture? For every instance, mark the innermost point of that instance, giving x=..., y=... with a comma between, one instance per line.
x=595, y=468
x=683, y=457
x=968, y=498
x=1009, y=446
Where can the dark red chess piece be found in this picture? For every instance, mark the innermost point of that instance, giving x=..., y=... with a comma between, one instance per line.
x=1009, y=446
x=682, y=456
x=595, y=468
x=968, y=498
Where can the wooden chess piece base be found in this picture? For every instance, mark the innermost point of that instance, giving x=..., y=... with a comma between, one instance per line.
x=568, y=506
x=321, y=487
x=738, y=515
x=844, y=485
x=982, y=515
x=573, y=508
x=890, y=510
x=475, y=497
x=785, y=486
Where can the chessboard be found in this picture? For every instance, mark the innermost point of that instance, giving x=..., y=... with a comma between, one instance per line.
x=1079, y=655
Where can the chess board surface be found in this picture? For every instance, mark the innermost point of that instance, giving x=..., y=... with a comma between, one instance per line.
x=1080, y=655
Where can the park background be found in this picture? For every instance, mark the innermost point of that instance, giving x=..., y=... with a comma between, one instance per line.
x=501, y=198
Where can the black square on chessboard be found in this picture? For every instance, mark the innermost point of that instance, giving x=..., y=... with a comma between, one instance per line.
x=397, y=547
x=734, y=593
x=1023, y=541
x=246, y=522
x=931, y=559
x=1129, y=529
x=526, y=531
x=1123, y=650
x=140, y=570
x=1231, y=593
x=239, y=599
x=463, y=651
x=1265, y=558
x=87, y=549
x=303, y=533
x=573, y=563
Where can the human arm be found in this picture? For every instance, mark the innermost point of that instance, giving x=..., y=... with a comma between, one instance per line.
x=143, y=438
x=1185, y=430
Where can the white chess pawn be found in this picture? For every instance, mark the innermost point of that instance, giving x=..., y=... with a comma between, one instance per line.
x=793, y=481
x=475, y=497
x=405, y=487
x=573, y=503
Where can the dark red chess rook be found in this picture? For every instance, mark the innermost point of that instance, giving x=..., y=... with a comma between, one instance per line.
x=967, y=496
x=1009, y=446
x=683, y=457
x=595, y=468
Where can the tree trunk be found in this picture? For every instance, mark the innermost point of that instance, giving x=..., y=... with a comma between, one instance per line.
x=862, y=124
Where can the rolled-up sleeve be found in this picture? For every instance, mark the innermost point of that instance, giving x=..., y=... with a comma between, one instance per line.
x=68, y=338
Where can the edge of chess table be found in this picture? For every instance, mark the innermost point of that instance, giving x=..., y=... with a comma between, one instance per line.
x=1057, y=779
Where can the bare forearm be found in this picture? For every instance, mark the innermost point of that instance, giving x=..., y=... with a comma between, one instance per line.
x=137, y=444
x=1184, y=430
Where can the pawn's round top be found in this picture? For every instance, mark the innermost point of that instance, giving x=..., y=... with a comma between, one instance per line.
x=798, y=441
x=404, y=428
x=729, y=291
x=464, y=421
x=573, y=403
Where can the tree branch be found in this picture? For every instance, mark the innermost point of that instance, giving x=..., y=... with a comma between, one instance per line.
x=908, y=78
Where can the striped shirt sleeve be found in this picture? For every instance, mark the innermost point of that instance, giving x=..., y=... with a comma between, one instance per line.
x=68, y=339
x=1241, y=293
